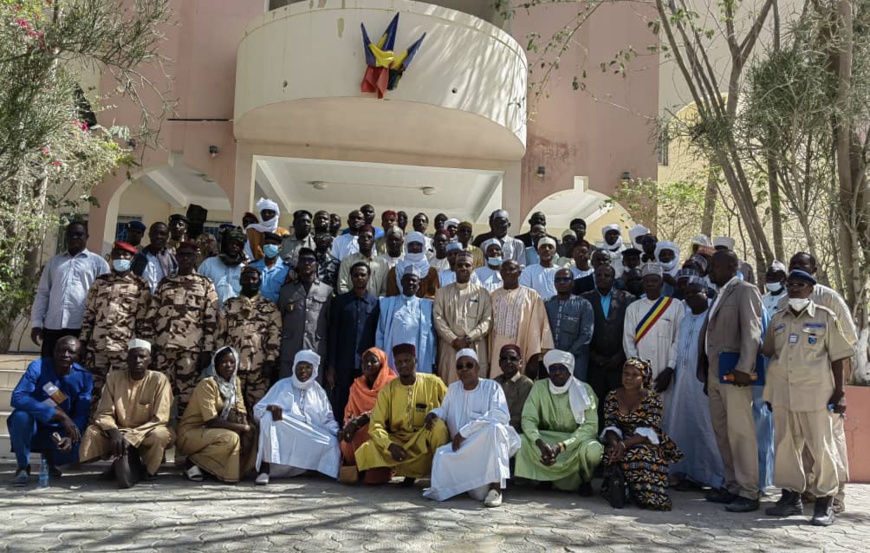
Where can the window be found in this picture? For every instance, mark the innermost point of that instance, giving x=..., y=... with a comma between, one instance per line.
x=664, y=144
x=121, y=227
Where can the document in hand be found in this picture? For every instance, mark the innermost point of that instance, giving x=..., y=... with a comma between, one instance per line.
x=728, y=361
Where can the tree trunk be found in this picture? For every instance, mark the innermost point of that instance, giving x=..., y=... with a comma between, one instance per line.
x=775, y=209
x=709, y=202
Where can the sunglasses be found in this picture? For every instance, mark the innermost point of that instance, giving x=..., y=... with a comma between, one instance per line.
x=562, y=279
x=306, y=260
x=466, y=366
x=508, y=359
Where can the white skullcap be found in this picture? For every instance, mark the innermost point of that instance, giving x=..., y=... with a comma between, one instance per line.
x=467, y=352
x=415, y=237
x=701, y=240
x=489, y=243
x=777, y=266
x=559, y=357
x=454, y=246
x=266, y=203
x=724, y=241
x=138, y=343
x=306, y=356
x=665, y=245
x=636, y=232
x=451, y=222
x=546, y=240
x=651, y=269
x=569, y=232
x=608, y=228
x=397, y=230
x=412, y=269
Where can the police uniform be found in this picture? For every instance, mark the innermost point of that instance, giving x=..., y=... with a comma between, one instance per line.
x=115, y=310
x=182, y=323
x=799, y=384
x=253, y=327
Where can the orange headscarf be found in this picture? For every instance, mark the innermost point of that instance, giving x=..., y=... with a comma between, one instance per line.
x=362, y=398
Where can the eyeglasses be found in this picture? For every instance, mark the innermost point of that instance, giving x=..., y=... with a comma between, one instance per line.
x=508, y=358
x=75, y=235
x=466, y=366
x=562, y=279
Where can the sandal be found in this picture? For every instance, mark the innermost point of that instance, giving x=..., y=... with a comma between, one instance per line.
x=194, y=474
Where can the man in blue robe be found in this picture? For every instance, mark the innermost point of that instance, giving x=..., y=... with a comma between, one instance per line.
x=407, y=319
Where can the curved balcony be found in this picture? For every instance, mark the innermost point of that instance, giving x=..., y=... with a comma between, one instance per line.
x=300, y=68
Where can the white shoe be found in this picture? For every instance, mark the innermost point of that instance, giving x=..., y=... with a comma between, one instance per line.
x=493, y=499
x=262, y=479
x=194, y=474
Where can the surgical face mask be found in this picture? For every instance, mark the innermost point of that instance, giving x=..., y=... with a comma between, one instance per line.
x=774, y=287
x=271, y=250
x=122, y=265
x=798, y=304
x=494, y=261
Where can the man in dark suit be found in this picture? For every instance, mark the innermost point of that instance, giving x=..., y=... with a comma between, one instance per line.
x=733, y=326
x=587, y=283
x=606, y=355
x=536, y=218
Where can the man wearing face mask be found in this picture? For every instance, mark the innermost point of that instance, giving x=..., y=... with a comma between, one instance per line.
x=225, y=269
x=115, y=309
x=273, y=270
x=668, y=256
x=254, y=233
x=489, y=276
x=251, y=324
x=805, y=382
x=774, y=281
x=613, y=245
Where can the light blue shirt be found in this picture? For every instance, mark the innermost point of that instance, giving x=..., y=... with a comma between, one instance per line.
x=605, y=301
x=225, y=278
x=271, y=278
x=63, y=289
x=407, y=320
x=153, y=272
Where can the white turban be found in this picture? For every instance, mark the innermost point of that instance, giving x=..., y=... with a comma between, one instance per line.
x=636, y=232
x=724, y=241
x=608, y=228
x=451, y=222
x=305, y=356
x=701, y=240
x=777, y=266
x=466, y=352
x=416, y=260
x=488, y=243
x=578, y=397
x=665, y=245
x=266, y=226
x=138, y=343
x=616, y=246
x=546, y=240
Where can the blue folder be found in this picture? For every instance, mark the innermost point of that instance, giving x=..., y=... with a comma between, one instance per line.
x=728, y=362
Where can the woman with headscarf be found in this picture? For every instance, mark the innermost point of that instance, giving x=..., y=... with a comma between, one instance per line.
x=415, y=256
x=214, y=431
x=298, y=431
x=376, y=373
x=269, y=214
x=637, y=453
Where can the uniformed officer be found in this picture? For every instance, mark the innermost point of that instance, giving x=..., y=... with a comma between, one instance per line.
x=135, y=232
x=304, y=305
x=252, y=324
x=807, y=347
x=178, y=225
x=182, y=323
x=115, y=310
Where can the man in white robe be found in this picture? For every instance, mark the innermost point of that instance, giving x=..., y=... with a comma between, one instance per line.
x=483, y=441
x=298, y=431
x=539, y=276
x=489, y=275
x=652, y=326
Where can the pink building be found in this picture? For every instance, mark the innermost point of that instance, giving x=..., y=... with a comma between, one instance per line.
x=269, y=104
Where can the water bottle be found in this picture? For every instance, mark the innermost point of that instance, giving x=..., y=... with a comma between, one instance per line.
x=43, y=473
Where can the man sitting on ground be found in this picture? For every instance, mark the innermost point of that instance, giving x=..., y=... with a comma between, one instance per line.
x=131, y=423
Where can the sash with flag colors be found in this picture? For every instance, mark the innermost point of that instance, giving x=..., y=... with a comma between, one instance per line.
x=652, y=317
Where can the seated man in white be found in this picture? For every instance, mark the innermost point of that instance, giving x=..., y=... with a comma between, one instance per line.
x=298, y=431
x=483, y=441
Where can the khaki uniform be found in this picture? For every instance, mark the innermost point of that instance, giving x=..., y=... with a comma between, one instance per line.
x=799, y=384
x=378, y=270
x=253, y=327
x=115, y=311
x=139, y=409
x=182, y=323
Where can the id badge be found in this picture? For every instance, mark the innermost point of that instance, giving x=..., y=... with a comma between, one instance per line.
x=792, y=338
x=55, y=393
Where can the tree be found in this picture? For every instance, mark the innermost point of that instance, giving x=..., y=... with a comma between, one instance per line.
x=52, y=152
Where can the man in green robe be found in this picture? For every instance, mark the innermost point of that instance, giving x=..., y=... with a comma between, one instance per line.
x=560, y=423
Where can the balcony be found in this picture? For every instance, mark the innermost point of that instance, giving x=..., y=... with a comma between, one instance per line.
x=300, y=67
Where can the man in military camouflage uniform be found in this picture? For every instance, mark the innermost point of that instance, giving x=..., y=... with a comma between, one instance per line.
x=304, y=305
x=327, y=264
x=252, y=324
x=115, y=310
x=182, y=323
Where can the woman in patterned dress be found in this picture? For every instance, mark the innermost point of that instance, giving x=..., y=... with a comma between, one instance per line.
x=637, y=452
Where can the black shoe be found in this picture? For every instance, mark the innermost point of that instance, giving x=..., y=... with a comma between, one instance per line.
x=124, y=473
x=108, y=474
x=720, y=495
x=789, y=504
x=823, y=514
x=616, y=491
x=586, y=490
x=742, y=505
x=408, y=482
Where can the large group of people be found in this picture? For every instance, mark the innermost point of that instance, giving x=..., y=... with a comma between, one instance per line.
x=459, y=363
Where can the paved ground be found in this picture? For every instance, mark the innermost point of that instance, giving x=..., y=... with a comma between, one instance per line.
x=80, y=513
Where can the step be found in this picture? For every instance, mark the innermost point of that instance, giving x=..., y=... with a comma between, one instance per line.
x=5, y=400
x=5, y=445
x=9, y=378
x=4, y=416
x=16, y=362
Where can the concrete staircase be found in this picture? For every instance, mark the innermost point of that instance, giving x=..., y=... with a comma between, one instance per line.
x=11, y=368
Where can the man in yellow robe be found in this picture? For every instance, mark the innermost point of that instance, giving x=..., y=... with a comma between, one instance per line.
x=398, y=436
x=131, y=422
